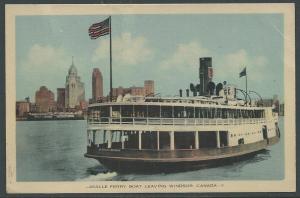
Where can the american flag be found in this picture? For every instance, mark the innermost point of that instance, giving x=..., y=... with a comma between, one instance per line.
x=99, y=29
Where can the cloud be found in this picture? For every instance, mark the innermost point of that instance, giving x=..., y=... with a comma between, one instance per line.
x=185, y=56
x=126, y=50
x=43, y=65
x=234, y=62
x=46, y=58
x=183, y=64
x=241, y=58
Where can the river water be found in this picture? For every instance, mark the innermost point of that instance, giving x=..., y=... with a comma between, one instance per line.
x=53, y=151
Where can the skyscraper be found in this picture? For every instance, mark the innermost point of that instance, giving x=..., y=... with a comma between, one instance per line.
x=97, y=84
x=74, y=92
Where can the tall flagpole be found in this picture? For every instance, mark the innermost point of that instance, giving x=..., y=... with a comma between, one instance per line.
x=110, y=95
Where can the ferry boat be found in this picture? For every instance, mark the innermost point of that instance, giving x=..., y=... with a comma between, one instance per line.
x=166, y=134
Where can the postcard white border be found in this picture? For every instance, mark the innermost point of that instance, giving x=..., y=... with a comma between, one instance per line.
x=288, y=184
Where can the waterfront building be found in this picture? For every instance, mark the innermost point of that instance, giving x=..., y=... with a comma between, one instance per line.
x=148, y=89
x=83, y=105
x=22, y=108
x=44, y=99
x=33, y=108
x=74, y=88
x=118, y=91
x=61, y=99
x=97, y=84
x=137, y=91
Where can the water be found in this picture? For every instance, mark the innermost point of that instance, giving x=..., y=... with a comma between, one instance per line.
x=53, y=151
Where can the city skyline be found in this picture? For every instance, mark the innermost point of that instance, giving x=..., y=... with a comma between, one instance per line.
x=139, y=53
x=61, y=95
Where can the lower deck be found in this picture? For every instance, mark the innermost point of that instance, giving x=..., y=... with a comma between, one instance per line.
x=213, y=137
x=173, y=160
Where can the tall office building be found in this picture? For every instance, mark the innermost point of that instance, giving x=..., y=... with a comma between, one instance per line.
x=149, y=87
x=44, y=99
x=205, y=74
x=74, y=88
x=97, y=84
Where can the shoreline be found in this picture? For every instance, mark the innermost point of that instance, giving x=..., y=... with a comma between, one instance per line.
x=50, y=119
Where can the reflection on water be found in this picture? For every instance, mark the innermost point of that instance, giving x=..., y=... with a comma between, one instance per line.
x=53, y=151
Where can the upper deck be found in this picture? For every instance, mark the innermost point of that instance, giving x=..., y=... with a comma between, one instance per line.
x=199, y=101
x=176, y=111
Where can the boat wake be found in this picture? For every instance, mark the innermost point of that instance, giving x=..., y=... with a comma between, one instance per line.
x=98, y=173
x=100, y=177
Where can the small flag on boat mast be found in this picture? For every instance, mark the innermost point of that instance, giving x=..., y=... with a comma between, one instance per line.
x=101, y=29
x=244, y=73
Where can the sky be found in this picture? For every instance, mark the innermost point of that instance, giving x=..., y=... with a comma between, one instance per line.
x=164, y=48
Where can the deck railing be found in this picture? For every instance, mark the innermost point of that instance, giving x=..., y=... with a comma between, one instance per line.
x=175, y=121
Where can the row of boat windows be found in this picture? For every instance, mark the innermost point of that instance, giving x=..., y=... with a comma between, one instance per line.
x=249, y=133
x=173, y=112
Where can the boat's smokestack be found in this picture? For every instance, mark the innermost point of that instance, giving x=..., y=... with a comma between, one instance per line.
x=205, y=74
x=187, y=92
x=180, y=92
